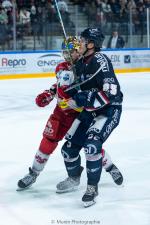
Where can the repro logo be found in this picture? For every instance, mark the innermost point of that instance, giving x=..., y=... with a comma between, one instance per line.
x=5, y=62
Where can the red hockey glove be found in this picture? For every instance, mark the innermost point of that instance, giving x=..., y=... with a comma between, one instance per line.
x=44, y=99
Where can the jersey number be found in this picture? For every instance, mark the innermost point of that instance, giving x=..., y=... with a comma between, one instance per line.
x=111, y=88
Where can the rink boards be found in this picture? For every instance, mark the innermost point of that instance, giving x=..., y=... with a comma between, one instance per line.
x=14, y=65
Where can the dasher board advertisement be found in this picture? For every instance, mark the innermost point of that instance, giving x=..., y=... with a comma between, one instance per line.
x=43, y=63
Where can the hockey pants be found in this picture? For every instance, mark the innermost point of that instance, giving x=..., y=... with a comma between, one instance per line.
x=96, y=135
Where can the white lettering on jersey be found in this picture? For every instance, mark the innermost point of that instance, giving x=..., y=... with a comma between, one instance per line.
x=109, y=80
x=103, y=61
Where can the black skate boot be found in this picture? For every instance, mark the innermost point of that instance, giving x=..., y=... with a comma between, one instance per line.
x=27, y=181
x=116, y=174
x=90, y=195
x=69, y=184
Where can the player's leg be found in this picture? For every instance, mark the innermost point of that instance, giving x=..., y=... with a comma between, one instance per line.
x=72, y=161
x=97, y=134
x=55, y=129
x=93, y=154
x=111, y=168
x=47, y=146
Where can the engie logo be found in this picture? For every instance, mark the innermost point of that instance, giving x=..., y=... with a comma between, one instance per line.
x=49, y=60
x=13, y=62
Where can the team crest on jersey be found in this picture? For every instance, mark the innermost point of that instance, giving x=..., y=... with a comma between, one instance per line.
x=65, y=78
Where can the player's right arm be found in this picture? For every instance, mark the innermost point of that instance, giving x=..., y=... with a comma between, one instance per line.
x=46, y=96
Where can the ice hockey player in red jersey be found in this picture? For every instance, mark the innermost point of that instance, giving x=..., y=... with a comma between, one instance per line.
x=61, y=119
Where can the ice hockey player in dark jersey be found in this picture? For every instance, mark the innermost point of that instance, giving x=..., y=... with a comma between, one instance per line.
x=98, y=91
x=60, y=120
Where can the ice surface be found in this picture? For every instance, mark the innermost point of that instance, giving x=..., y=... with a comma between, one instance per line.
x=21, y=126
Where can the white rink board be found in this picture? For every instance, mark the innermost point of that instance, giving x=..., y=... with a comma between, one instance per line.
x=40, y=64
x=29, y=63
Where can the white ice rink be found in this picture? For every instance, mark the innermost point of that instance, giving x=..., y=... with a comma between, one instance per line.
x=21, y=126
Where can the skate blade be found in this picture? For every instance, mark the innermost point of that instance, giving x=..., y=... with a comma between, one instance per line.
x=88, y=204
x=118, y=183
x=66, y=191
x=23, y=189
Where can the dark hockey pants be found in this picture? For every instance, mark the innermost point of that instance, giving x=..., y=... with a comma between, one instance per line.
x=96, y=135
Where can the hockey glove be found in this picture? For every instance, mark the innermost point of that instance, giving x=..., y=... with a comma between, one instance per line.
x=85, y=98
x=44, y=99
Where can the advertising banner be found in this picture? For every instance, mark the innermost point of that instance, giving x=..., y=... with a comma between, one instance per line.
x=39, y=64
x=43, y=63
x=130, y=60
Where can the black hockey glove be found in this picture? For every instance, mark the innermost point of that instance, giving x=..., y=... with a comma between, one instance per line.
x=85, y=98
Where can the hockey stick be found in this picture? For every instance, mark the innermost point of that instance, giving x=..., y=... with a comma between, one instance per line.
x=60, y=19
x=65, y=36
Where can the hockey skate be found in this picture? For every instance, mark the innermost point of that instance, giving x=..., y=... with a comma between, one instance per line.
x=90, y=195
x=27, y=181
x=69, y=184
x=116, y=174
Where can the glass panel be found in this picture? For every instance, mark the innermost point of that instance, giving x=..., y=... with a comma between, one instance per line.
x=34, y=25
